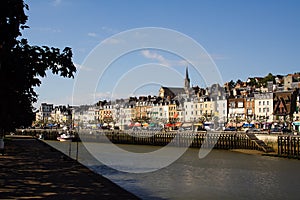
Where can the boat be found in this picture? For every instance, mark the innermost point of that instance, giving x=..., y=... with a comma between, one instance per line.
x=65, y=137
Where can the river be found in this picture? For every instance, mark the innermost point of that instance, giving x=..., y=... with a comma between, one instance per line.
x=221, y=174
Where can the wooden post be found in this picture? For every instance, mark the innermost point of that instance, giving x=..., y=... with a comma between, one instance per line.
x=70, y=149
x=77, y=148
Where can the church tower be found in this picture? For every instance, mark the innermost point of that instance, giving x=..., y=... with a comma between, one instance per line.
x=187, y=81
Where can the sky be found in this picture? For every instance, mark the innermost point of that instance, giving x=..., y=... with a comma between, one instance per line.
x=243, y=38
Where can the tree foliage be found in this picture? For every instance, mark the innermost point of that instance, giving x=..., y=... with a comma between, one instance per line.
x=231, y=84
x=22, y=66
x=268, y=78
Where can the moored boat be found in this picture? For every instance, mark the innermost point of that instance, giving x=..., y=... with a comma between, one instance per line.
x=65, y=137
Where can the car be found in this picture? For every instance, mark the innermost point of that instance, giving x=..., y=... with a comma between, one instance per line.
x=199, y=128
x=188, y=128
x=286, y=130
x=230, y=129
x=155, y=128
x=136, y=128
x=275, y=130
x=114, y=128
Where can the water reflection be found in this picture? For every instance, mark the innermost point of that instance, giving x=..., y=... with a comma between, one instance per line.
x=220, y=175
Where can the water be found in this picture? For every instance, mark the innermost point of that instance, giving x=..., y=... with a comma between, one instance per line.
x=221, y=175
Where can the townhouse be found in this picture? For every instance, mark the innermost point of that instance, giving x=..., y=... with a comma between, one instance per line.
x=263, y=104
x=258, y=100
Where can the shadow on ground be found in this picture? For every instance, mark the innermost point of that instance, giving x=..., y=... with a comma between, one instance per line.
x=32, y=169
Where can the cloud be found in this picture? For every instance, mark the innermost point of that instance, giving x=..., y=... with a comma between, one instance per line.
x=103, y=95
x=83, y=68
x=155, y=56
x=57, y=2
x=162, y=60
x=92, y=34
x=48, y=29
x=112, y=41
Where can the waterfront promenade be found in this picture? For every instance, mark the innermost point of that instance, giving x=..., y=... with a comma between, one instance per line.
x=31, y=169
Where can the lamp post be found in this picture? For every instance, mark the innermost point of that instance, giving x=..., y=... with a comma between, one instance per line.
x=117, y=114
x=236, y=121
x=267, y=127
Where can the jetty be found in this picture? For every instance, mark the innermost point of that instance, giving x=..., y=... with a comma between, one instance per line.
x=31, y=169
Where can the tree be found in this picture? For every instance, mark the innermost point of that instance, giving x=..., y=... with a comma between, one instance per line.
x=252, y=82
x=239, y=82
x=22, y=66
x=231, y=84
x=266, y=79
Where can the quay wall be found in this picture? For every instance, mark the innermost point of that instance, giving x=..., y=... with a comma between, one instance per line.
x=289, y=146
x=267, y=138
x=217, y=140
x=284, y=145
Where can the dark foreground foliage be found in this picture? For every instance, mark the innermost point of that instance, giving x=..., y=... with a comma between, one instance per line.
x=22, y=66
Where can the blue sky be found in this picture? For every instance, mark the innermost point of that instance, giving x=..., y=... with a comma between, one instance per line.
x=244, y=38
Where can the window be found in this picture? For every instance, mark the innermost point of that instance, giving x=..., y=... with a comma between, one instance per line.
x=263, y=103
x=259, y=110
x=267, y=102
x=259, y=103
x=240, y=104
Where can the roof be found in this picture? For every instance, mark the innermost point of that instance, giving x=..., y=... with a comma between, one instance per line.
x=174, y=90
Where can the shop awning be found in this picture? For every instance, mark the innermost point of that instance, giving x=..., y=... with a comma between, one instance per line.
x=178, y=124
x=198, y=124
x=145, y=124
x=137, y=124
x=169, y=125
x=187, y=124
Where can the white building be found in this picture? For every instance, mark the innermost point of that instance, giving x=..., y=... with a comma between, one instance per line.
x=263, y=103
x=154, y=112
x=61, y=114
x=44, y=112
x=189, y=111
x=236, y=110
x=221, y=110
x=84, y=115
x=126, y=115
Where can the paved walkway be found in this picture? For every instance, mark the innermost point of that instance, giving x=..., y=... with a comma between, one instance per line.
x=30, y=169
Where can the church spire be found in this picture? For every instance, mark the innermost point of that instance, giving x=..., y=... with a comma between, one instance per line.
x=186, y=80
